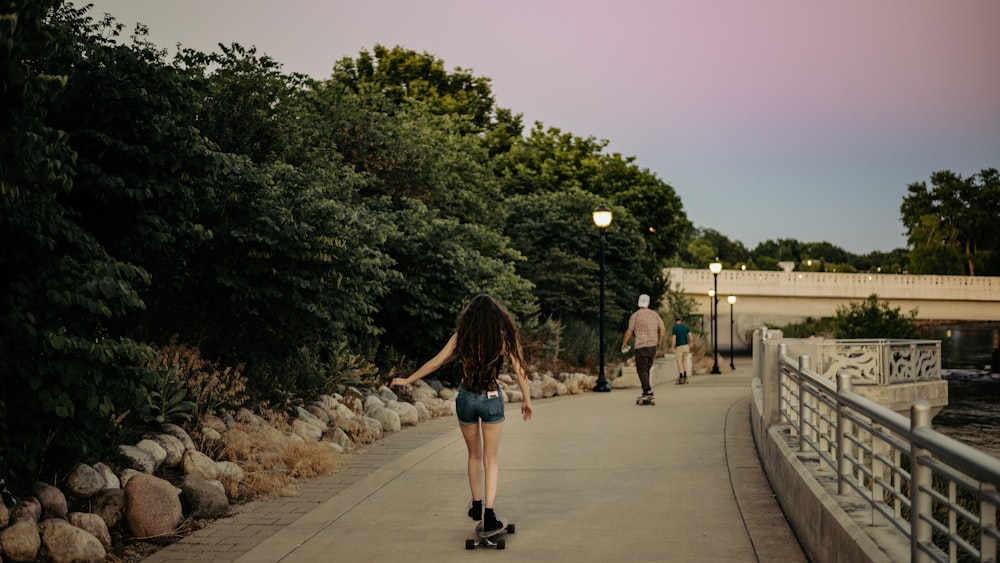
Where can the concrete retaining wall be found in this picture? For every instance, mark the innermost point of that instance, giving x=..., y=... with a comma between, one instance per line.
x=664, y=370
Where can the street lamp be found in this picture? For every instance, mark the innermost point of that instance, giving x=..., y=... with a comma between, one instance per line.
x=715, y=268
x=732, y=320
x=602, y=218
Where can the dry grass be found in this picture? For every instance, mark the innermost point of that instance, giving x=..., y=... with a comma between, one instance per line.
x=271, y=462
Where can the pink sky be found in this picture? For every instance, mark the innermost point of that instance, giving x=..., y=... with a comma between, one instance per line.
x=770, y=118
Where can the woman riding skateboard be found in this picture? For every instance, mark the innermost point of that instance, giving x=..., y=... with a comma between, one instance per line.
x=485, y=334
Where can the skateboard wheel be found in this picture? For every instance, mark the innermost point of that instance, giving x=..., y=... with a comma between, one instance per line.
x=501, y=544
x=510, y=528
x=470, y=544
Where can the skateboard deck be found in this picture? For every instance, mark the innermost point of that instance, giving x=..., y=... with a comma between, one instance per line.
x=496, y=539
x=645, y=401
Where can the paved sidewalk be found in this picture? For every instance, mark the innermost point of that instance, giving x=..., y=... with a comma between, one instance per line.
x=591, y=478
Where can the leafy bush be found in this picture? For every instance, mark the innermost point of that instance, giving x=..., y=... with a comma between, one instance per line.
x=810, y=327
x=542, y=344
x=203, y=384
x=166, y=398
x=874, y=319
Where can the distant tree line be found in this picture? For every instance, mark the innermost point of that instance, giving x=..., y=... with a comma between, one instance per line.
x=951, y=227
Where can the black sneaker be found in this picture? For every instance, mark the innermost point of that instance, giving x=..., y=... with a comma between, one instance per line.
x=476, y=510
x=493, y=526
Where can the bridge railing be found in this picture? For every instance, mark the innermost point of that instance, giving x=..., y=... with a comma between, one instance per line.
x=873, y=361
x=939, y=492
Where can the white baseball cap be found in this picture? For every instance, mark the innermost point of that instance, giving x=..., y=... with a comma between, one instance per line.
x=644, y=300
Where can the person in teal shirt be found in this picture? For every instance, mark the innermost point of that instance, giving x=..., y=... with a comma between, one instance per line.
x=680, y=343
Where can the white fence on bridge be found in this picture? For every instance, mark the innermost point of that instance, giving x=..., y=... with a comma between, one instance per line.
x=778, y=298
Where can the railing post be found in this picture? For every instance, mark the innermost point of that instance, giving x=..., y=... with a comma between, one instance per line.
x=920, y=483
x=804, y=364
x=879, y=470
x=844, y=428
x=987, y=521
x=771, y=381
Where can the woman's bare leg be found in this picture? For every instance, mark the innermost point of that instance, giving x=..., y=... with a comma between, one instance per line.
x=491, y=445
x=475, y=446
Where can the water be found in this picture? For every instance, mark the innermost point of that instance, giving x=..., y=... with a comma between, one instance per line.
x=973, y=411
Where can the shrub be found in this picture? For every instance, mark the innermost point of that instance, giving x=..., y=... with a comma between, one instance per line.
x=185, y=377
x=874, y=319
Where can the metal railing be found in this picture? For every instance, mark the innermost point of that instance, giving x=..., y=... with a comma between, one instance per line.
x=939, y=492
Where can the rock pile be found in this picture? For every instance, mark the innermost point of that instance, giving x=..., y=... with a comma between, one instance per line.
x=165, y=478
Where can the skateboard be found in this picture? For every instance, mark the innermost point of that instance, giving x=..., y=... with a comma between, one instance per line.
x=681, y=381
x=497, y=540
x=645, y=401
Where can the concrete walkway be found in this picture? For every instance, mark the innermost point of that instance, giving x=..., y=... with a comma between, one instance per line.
x=592, y=477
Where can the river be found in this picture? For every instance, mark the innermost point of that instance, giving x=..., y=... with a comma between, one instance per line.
x=973, y=411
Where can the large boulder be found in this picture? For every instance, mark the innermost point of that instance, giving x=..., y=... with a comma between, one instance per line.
x=154, y=450
x=53, y=500
x=20, y=542
x=204, y=499
x=92, y=524
x=196, y=463
x=307, y=431
x=388, y=419
x=109, y=505
x=152, y=506
x=339, y=437
x=65, y=543
x=83, y=481
x=172, y=446
x=28, y=510
x=137, y=458
x=111, y=480
x=180, y=434
x=408, y=415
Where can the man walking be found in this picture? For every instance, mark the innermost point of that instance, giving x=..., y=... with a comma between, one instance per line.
x=647, y=326
x=679, y=342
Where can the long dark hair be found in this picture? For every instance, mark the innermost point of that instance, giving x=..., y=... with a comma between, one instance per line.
x=486, y=332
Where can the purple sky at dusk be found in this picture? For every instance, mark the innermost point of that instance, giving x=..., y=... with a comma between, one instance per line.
x=770, y=118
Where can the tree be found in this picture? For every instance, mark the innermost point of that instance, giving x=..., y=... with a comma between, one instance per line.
x=955, y=218
x=557, y=236
x=67, y=372
x=402, y=75
x=708, y=244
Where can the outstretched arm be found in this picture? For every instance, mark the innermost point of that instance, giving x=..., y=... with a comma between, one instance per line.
x=522, y=382
x=431, y=365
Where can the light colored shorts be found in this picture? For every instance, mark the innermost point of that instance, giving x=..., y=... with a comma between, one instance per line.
x=471, y=407
x=682, y=350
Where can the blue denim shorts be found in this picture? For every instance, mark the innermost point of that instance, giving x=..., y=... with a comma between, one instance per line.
x=471, y=407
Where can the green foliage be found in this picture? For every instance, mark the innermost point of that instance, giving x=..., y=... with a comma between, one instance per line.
x=68, y=370
x=166, y=398
x=708, y=244
x=543, y=344
x=951, y=225
x=442, y=264
x=874, y=319
x=679, y=304
x=823, y=327
x=403, y=75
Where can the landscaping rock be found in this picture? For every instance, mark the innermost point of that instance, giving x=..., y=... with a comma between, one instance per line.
x=152, y=506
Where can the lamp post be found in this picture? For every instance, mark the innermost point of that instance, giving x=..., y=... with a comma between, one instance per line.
x=732, y=320
x=602, y=218
x=715, y=268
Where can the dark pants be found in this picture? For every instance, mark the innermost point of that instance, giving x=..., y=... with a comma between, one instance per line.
x=643, y=361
